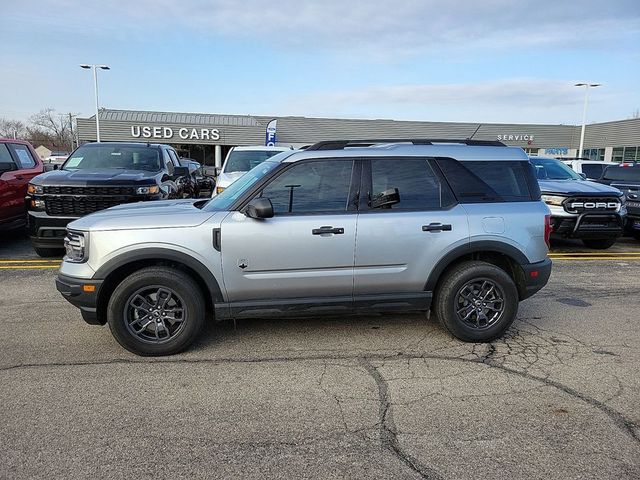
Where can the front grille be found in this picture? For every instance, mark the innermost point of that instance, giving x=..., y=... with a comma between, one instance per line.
x=79, y=206
x=591, y=204
x=89, y=190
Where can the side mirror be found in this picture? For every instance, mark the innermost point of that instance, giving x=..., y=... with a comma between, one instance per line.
x=259, y=208
x=583, y=175
x=7, y=166
x=217, y=171
x=180, y=172
x=48, y=167
x=386, y=199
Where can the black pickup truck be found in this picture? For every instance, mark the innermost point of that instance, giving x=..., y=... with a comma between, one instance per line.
x=98, y=176
x=626, y=178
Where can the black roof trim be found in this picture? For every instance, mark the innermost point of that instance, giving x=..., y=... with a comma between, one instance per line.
x=342, y=144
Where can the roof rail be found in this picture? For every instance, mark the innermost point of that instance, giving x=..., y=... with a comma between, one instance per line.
x=342, y=144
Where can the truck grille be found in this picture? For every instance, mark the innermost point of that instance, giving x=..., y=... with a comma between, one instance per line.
x=89, y=190
x=77, y=207
x=591, y=205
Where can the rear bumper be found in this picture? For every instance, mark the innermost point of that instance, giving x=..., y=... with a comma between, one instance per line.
x=536, y=276
x=588, y=225
x=72, y=289
x=47, y=231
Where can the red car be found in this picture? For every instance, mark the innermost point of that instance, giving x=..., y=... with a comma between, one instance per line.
x=19, y=163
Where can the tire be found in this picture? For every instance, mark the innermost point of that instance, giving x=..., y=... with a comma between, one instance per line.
x=599, y=243
x=161, y=335
x=49, y=252
x=449, y=300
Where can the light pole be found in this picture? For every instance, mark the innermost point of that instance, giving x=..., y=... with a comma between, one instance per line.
x=584, y=111
x=95, y=84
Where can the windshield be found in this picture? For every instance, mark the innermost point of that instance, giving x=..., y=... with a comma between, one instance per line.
x=114, y=156
x=551, y=169
x=245, y=160
x=629, y=174
x=226, y=198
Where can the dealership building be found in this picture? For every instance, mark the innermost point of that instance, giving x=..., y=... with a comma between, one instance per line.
x=207, y=138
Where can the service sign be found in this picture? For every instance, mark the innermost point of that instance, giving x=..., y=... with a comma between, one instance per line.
x=519, y=137
x=183, y=133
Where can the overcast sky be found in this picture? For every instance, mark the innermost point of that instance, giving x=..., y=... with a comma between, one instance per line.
x=456, y=60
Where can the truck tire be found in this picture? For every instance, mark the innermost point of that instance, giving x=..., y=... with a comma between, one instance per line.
x=49, y=252
x=476, y=301
x=599, y=243
x=156, y=311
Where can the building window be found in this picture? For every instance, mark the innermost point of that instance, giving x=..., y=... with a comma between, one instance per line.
x=531, y=151
x=616, y=156
x=593, y=153
x=630, y=154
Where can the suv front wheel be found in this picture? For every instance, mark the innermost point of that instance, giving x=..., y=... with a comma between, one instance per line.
x=156, y=311
x=476, y=301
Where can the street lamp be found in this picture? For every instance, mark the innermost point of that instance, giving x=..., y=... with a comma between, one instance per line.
x=584, y=111
x=95, y=84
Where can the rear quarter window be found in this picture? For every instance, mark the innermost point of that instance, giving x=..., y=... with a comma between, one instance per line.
x=490, y=181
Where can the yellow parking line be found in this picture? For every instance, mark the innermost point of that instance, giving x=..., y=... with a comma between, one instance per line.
x=26, y=267
x=30, y=261
x=613, y=254
x=620, y=259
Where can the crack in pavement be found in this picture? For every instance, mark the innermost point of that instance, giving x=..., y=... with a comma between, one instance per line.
x=387, y=427
x=619, y=420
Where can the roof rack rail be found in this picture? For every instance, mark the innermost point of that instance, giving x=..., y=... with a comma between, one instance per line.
x=342, y=144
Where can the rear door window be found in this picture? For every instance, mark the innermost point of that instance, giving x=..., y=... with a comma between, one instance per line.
x=5, y=156
x=592, y=171
x=490, y=181
x=629, y=174
x=418, y=185
x=25, y=160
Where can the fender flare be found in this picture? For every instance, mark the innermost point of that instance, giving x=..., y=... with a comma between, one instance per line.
x=157, y=253
x=480, y=246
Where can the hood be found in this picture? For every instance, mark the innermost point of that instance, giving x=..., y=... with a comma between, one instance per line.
x=565, y=187
x=226, y=179
x=98, y=176
x=140, y=215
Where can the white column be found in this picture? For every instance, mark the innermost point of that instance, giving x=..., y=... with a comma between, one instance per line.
x=608, y=154
x=218, y=156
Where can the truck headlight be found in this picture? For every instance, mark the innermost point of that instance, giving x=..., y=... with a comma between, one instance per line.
x=38, y=204
x=75, y=244
x=553, y=199
x=35, y=189
x=148, y=190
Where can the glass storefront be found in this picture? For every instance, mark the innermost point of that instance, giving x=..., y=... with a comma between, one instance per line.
x=626, y=154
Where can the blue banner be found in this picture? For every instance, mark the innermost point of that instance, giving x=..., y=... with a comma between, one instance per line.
x=270, y=138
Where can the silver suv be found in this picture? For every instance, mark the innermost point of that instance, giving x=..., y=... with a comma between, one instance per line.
x=455, y=227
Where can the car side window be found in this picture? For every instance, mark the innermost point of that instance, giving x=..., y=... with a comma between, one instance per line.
x=311, y=187
x=5, y=156
x=25, y=160
x=418, y=185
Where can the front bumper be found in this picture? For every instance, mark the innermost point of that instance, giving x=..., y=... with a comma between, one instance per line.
x=588, y=225
x=73, y=290
x=535, y=277
x=47, y=231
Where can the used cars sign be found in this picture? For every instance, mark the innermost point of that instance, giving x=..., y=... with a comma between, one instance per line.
x=146, y=131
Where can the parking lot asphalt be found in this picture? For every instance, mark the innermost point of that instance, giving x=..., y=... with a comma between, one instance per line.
x=385, y=396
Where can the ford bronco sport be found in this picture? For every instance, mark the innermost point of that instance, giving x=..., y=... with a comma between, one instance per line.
x=455, y=227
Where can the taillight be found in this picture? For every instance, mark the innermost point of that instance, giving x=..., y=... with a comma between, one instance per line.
x=547, y=230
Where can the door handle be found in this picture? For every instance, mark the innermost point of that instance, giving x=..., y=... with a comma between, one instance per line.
x=436, y=227
x=326, y=229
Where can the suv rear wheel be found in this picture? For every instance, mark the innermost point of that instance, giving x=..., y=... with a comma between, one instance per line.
x=476, y=301
x=156, y=311
x=599, y=243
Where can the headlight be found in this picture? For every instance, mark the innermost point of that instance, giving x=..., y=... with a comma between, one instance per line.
x=37, y=204
x=553, y=199
x=148, y=190
x=75, y=244
x=219, y=189
x=34, y=189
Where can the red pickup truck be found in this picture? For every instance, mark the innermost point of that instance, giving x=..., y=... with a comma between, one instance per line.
x=19, y=163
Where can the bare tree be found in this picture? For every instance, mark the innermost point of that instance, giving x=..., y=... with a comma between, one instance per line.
x=13, y=128
x=636, y=113
x=48, y=126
